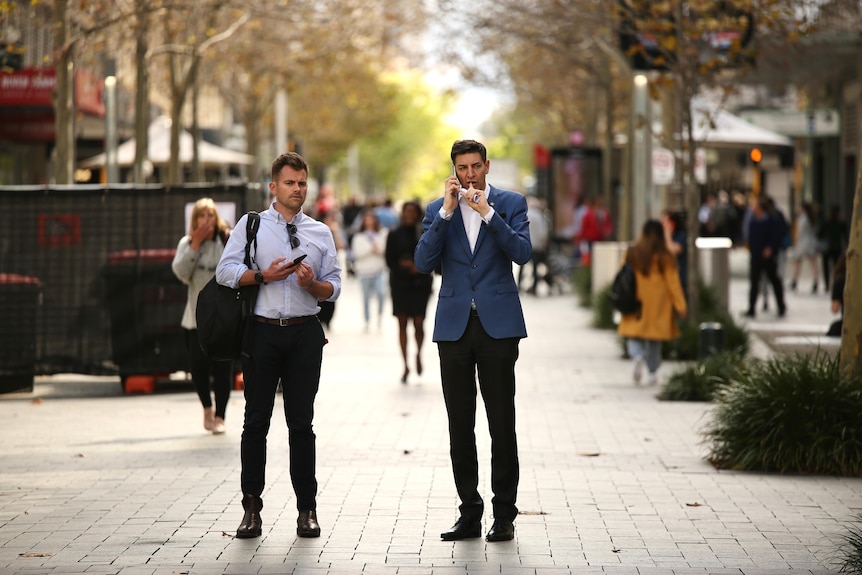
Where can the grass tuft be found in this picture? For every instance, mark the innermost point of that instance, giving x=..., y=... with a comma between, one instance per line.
x=699, y=381
x=851, y=549
x=791, y=414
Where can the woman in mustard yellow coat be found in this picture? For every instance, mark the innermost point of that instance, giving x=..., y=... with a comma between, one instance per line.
x=660, y=294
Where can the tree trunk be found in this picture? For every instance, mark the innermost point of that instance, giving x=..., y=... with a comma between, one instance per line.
x=851, y=333
x=181, y=80
x=142, y=91
x=692, y=204
x=197, y=173
x=64, y=102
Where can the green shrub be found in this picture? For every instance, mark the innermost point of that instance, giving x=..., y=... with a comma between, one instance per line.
x=851, y=549
x=685, y=347
x=603, y=311
x=699, y=381
x=582, y=280
x=797, y=414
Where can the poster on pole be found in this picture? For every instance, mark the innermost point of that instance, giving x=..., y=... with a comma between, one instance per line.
x=662, y=167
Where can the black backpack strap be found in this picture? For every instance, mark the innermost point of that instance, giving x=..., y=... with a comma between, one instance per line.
x=252, y=224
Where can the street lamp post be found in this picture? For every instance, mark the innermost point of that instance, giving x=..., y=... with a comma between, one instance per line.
x=641, y=153
x=111, y=166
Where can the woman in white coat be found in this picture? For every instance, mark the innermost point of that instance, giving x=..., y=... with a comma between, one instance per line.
x=369, y=263
x=194, y=264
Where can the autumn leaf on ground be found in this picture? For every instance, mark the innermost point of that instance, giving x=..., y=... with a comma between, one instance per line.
x=589, y=453
x=35, y=554
x=695, y=504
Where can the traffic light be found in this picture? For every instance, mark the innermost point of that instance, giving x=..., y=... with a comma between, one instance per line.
x=756, y=155
x=756, y=184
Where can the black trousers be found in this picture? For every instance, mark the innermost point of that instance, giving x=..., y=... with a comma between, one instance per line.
x=494, y=359
x=292, y=355
x=209, y=377
x=757, y=267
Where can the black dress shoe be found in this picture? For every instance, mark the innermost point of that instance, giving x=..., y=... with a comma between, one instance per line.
x=251, y=525
x=306, y=524
x=501, y=530
x=464, y=528
x=748, y=313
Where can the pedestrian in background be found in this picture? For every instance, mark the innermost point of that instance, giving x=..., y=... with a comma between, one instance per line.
x=409, y=289
x=784, y=243
x=839, y=275
x=833, y=239
x=369, y=264
x=539, y=238
x=764, y=236
x=285, y=342
x=805, y=247
x=473, y=234
x=676, y=240
x=662, y=299
x=339, y=237
x=194, y=264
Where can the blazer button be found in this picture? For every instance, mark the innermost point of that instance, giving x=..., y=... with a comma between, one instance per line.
x=474, y=288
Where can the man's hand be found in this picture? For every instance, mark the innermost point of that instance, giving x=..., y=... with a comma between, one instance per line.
x=279, y=269
x=304, y=275
x=476, y=199
x=450, y=194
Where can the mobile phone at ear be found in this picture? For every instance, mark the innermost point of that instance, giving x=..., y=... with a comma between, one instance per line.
x=299, y=259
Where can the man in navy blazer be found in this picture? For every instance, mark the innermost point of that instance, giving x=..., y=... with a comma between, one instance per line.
x=472, y=236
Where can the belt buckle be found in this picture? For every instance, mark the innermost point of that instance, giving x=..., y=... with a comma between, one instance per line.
x=283, y=321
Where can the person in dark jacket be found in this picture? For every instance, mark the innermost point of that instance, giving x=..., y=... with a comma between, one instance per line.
x=764, y=235
x=838, y=277
x=410, y=290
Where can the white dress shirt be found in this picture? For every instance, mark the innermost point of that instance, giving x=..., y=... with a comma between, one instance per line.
x=472, y=219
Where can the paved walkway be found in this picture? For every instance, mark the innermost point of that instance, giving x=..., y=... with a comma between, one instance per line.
x=612, y=480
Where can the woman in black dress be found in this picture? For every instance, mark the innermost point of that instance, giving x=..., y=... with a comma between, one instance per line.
x=410, y=289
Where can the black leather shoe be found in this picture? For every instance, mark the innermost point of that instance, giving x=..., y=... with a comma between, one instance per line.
x=464, y=528
x=251, y=525
x=501, y=530
x=306, y=524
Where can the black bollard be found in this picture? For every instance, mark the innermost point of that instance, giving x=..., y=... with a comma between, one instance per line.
x=711, y=339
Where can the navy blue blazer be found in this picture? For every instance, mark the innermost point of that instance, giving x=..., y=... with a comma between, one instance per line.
x=485, y=275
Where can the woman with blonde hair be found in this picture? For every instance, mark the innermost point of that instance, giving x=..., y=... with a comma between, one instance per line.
x=660, y=294
x=194, y=264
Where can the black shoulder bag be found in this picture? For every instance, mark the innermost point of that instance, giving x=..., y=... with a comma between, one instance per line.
x=223, y=313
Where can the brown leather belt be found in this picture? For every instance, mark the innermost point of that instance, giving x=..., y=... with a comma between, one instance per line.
x=285, y=321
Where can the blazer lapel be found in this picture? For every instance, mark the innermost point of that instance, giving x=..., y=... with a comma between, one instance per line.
x=461, y=233
x=482, y=231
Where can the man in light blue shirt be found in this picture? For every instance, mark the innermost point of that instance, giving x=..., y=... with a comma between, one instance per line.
x=294, y=262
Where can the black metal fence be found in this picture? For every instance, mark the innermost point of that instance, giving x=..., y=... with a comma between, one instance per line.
x=85, y=279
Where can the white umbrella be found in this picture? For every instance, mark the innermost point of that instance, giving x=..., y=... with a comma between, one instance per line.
x=159, y=150
x=715, y=126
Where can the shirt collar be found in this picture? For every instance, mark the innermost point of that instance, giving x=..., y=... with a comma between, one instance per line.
x=280, y=219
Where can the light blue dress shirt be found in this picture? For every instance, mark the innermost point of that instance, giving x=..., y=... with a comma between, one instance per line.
x=282, y=299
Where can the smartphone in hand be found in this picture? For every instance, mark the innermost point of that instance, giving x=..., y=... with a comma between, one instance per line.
x=298, y=259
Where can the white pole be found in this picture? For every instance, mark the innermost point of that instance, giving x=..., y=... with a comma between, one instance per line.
x=111, y=165
x=642, y=155
x=281, y=121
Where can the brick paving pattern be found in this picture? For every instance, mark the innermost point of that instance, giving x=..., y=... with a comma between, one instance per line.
x=612, y=480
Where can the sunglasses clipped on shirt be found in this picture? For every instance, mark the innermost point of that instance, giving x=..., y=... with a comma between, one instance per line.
x=291, y=233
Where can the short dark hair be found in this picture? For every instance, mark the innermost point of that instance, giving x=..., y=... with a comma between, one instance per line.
x=468, y=147
x=291, y=159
